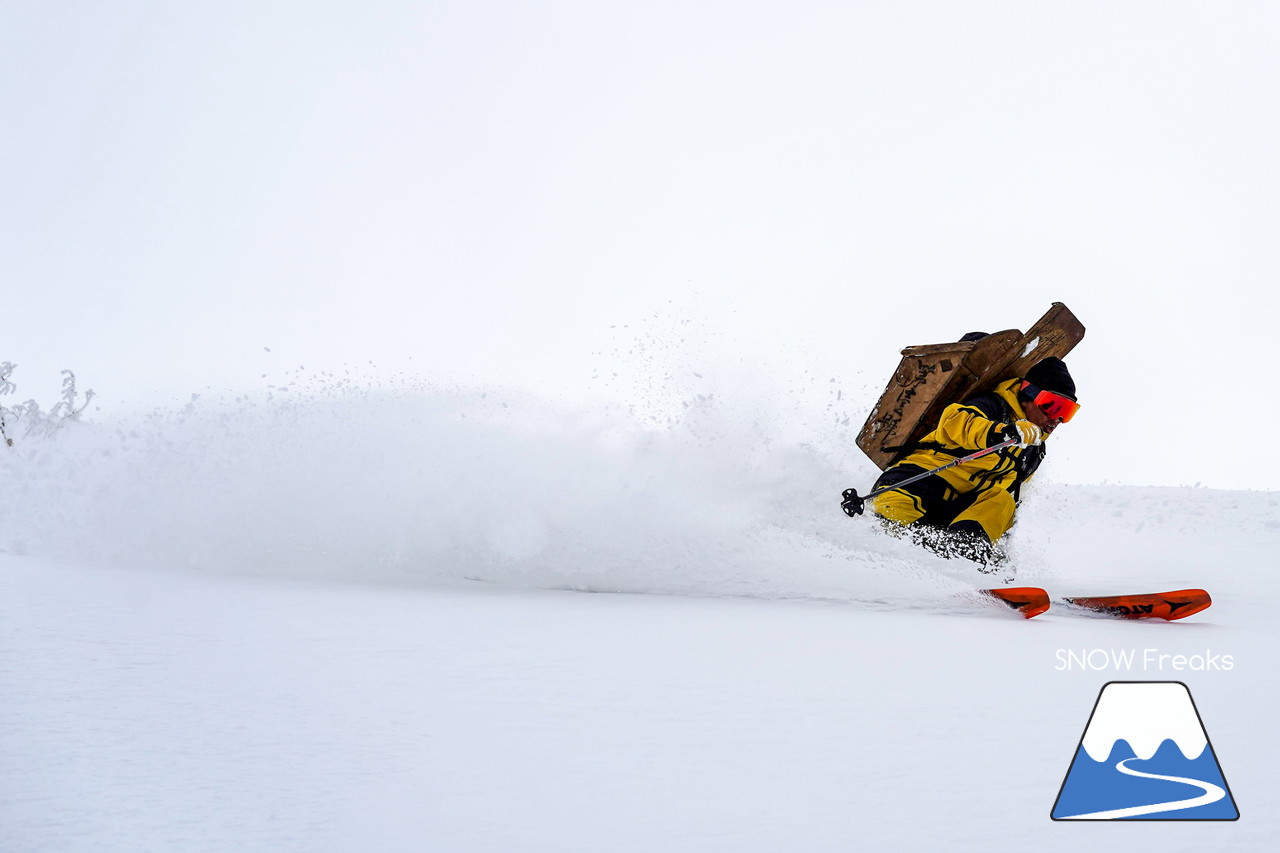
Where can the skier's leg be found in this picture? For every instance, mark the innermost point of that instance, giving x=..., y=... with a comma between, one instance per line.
x=990, y=515
x=907, y=505
x=898, y=506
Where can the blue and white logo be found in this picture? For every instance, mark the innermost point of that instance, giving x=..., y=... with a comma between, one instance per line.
x=1145, y=756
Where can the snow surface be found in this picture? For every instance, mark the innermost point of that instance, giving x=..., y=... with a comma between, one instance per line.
x=436, y=619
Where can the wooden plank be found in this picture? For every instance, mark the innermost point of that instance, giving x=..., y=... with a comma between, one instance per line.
x=924, y=374
x=929, y=378
x=1054, y=334
x=987, y=352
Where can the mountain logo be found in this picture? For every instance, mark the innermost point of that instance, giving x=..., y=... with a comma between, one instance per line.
x=1145, y=755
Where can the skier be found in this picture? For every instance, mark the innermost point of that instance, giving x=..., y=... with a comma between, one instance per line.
x=964, y=511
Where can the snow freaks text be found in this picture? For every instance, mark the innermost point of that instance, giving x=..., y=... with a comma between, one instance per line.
x=1144, y=660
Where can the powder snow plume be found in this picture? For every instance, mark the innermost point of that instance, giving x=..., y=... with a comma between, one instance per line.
x=717, y=495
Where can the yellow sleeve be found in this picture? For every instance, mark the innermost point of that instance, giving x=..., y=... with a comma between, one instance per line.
x=965, y=427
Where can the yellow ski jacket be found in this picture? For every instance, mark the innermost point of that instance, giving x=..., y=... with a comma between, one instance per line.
x=973, y=425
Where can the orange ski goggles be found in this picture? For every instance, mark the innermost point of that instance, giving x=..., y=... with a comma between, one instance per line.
x=1053, y=404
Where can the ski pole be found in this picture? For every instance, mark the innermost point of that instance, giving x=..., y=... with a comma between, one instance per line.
x=852, y=504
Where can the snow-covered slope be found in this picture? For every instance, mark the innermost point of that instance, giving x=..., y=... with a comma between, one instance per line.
x=359, y=621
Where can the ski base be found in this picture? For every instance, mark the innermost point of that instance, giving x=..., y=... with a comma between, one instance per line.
x=1169, y=606
x=1029, y=601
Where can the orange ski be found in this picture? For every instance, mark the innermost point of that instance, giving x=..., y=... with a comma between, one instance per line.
x=1156, y=605
x=1027, y=600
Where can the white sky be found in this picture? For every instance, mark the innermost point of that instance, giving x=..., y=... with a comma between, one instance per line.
x=488, y=188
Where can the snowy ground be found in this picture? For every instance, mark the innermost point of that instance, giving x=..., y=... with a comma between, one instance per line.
x=197, y=656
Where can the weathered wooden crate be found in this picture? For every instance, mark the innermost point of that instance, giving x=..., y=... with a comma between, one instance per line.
x=930, y=378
